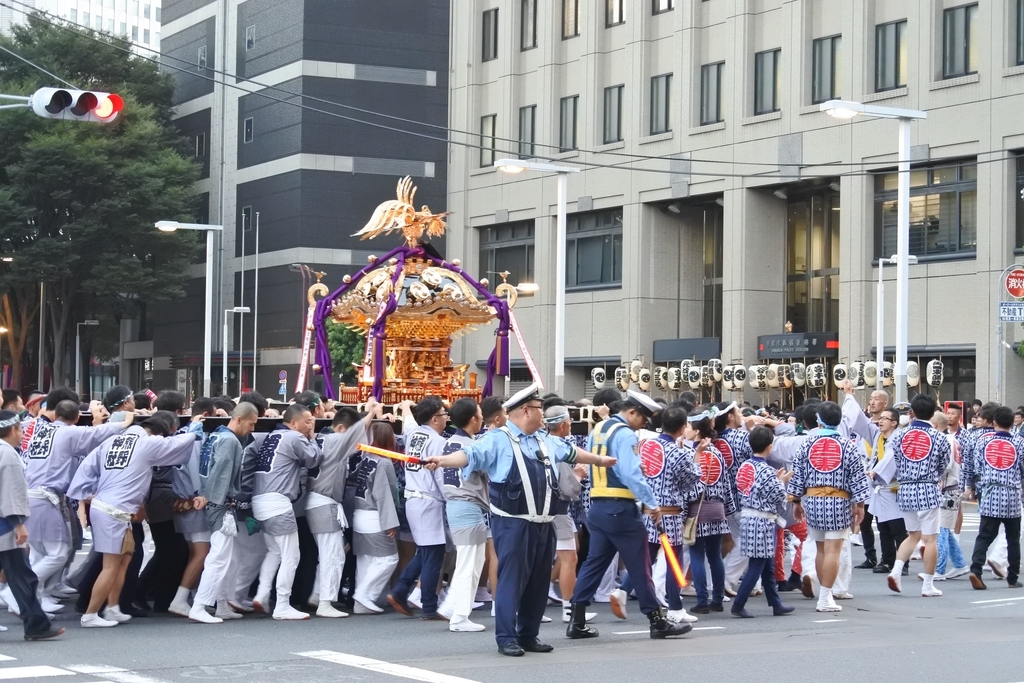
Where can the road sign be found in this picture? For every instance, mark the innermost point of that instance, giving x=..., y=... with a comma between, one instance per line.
x=283, y=391
x=1011, y=311
x=1014, y=283
x=283, y=375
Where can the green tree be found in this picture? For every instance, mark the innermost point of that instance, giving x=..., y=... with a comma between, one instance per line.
x=78, y=200
x=347, y=346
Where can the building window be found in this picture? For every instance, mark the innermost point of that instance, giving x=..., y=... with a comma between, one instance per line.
x=594, y=249
x=247, y=130
x=890, y=56
x=943, y=210
x=145, y=36
x=812, y=263
x=145, y=11
x=135, y=34
x=110, y=26
x=570, y=18
x=85, y=20
x=156, y=14
x=201, y=57
x=73, y=15
x=613, y=113
x=124, y=29
x=527, y=121
x=958, y=378
x=661, y=92
x=613, y=13
x=250, y=37
x=122, y=5
x=487, y=140
x=490, y=35
x=766, y=81
x=663, y=6
x=200, y=145
x=960, y=41
x=507, y=248
x=97, y=22
x=826, y=70
x=567, y=123
x=528, y=27
x=135, y=8
x=711, y=93
x=713, y=259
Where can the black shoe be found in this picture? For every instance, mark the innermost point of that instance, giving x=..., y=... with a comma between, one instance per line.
x=741, y=612
x=1014, y=584
x=432, y=616
x=511, y=650
x=534, y=645
x=716, y=607
x=700, y=609
x=400, y=604
x=663, y=628
x=784, y=586
x=782, y=610
x=866, y=564
x=976, y=582
x=794, y=578
x=577, y=627
x=53, y=632
x=882, y=569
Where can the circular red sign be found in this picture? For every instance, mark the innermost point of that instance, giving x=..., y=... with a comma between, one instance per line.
x=745, y=478
x=826, y=455
x=1014, y=283
x=1000, y=454
x=652, y=457
x=725, y=449
x=710, y=468
x=917, y=444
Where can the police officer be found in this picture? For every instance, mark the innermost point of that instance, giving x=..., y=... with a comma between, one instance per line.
x=519, y=460
x=615, y=524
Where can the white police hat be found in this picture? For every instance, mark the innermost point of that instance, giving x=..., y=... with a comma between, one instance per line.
x=530, y=393
x=645, y=404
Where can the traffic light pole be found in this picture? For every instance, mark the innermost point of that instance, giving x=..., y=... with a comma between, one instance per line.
x=24, y=101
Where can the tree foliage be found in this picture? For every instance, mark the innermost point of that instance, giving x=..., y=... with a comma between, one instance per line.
x=77, y=200
x=347, y=347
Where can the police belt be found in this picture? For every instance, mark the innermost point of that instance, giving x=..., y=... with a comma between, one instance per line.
x=826, y=492
x=537, y=519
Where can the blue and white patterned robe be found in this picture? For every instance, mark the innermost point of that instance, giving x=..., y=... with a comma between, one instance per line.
x=921, y=454
x=716, y=484
x=969, y=464
x=998, y=471
x=670, y=471
x=760, y=489
x=827, y=459
x=734, y=445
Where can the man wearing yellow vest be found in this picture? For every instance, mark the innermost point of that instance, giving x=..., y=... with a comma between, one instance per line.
x=615, y=522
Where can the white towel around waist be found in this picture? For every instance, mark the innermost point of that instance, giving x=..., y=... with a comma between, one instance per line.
x=317, y=500
x=111, y=511
x=267, y=505
x=44, y=494
x=366, y=522
x=409, y=493
x=750, y=512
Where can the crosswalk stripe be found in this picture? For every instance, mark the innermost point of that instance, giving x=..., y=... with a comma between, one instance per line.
x=376, y=665
x=113, y=673
x=15, y=672
x=6, y=658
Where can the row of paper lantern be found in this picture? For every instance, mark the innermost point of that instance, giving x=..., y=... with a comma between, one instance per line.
x=762, y=377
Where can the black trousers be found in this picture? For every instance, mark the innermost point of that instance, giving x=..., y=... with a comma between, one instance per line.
x=987, y=532
x=305, y=573
x=867, y=534
x=890, y=535
x=23, y=583
x=160, y=579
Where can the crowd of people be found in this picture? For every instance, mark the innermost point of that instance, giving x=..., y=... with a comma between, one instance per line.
x=435, y=509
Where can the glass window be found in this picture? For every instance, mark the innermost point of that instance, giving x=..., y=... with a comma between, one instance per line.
x=958, y=378
x=145, y=36
x=527, y=122
x=135, y=33
x=201, y=57
x=663, y=6
x=487, y=140
x=507, y=247
x=247, y=130
x=122, y=5
x=490, y=35
x=661, y=93
x=570, y=18
x=97, y=22
x=943, y=210
x=200, y=145
x=109, y=26
x=567, y=123
x=711, y=93
x=713, y=241
x=960, y=41
x=528, y=27
x=826, y=70
x=812, y=262
x=766, y=81
x=250, y=37
x=156, y=13
x=85, y=19
x=613, y=113
x=890, y=56
x=145, y=11
x=613, y=13
x=594, y=249
x=135, y=7
x=124, y=29
x=73, y=15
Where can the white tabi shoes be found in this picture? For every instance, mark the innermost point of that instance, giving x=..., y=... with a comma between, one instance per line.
x=286, y=612
x=466, y=626
x=679, y=616
x=199, y=614
x=365, y=608
x=96, y=621
x=225, y=612
x=618, y=602
x=115, y=614
x=328, y=611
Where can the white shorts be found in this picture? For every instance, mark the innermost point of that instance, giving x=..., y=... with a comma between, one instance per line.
x=925, y=521
x=822, y=535
x=198, y=537
x=565, y=532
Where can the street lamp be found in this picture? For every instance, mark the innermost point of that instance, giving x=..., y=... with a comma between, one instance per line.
x=880, y=321
x=171, y=226
x=518, y=166
x=78, y=355
x=228, y=312
x=845, y=109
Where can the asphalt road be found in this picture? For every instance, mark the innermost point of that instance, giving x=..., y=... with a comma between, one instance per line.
x=965, y=634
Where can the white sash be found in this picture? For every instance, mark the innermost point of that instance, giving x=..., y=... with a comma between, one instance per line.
x=366, y=522
x=44, y=494
x=111, y=511
x=317, y=500
x=267, y=505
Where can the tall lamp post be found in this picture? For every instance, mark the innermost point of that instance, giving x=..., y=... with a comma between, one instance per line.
x=518, y=166
x=845, y=109
x=171, y=226
x=78, y=355
x=880, y=313
x=228, y=312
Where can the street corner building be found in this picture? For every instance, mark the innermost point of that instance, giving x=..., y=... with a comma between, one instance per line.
x=719, y=213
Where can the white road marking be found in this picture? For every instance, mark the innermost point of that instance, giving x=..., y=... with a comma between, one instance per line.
x=708, y=628
x=827, y=621
x=6, y=658
x=985, y=602
x=629, y=633
x=376, y=665
x=15, y=672
x=113, y=673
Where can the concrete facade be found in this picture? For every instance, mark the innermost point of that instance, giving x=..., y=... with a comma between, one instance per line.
x=136, y=20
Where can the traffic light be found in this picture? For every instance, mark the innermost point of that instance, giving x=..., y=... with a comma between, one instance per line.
x=76, y=105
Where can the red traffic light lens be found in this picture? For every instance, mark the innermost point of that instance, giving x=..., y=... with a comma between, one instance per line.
x=108, y=106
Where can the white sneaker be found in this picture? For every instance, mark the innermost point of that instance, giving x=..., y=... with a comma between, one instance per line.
x=855, y=539
x=115, y=614
x=414, y=598
x=478, y=605
x=2, y=628
x=96, y=621
x=483, y=595
x=618, y=602
x=679, y=616
x=757, y=591
x=363, y=608
x=326, y=609
x=49, y=605
x=225, y=612
x=466, y=626
x=956, y=573
x=244, y=606
x=492, y=608
x=932, y=592
x=545, y=619
x=689, y=591
x=567, y=615
x=288, y=613
x=64, y=591
x=198, y=613
x=829, y=606
x=845, y=595
x=181, y=608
